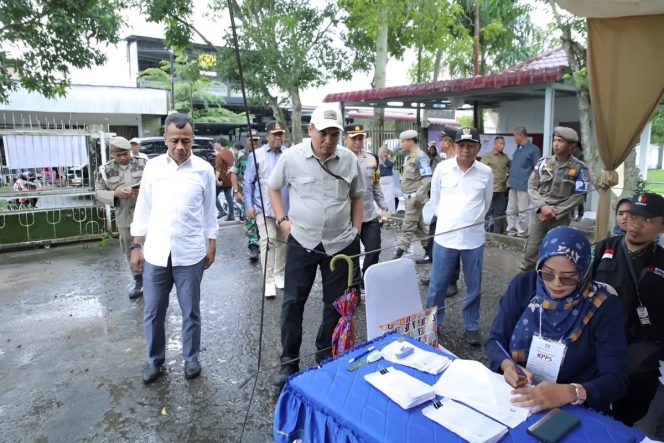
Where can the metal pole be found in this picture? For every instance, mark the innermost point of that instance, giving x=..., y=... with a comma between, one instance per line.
x=549, y=107
x=104, y=159
x=170, y=52
x=644, y=147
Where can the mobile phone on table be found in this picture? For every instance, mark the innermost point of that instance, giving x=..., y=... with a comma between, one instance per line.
x=553, y=426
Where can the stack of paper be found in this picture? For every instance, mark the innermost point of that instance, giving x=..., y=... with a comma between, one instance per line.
x=474, y=384
x=419, y=359
x=404, y=390
x=464, y=422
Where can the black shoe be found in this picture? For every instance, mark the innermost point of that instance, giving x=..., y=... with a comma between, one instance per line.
x=192, y=369
x=425, y=281
x=279, y=379
x=473, y=338
x=151, y=373
x=323, y=355
x=398, y=254
x=452, y=290
x=137, y=290
x=424, y=260
x=254, y=252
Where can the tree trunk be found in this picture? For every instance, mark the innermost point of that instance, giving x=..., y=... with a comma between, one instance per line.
x=380, y=66
x=296, y=118
x=436, y=63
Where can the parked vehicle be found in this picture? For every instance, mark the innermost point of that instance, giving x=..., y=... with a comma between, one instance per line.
x=203, y=147
x=78, y=176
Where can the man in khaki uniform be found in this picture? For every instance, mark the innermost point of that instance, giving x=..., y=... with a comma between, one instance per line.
x=557, y=184
x=116, y=184
x=500, y=165
x=415, y=182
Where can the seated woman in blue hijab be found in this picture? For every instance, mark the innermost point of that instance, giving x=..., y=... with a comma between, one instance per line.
x=561, y=331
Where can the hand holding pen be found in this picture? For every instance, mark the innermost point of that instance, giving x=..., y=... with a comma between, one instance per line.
x=514, y=374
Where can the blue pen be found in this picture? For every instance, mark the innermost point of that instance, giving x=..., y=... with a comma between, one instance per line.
x=507, y=354
x=366, y=351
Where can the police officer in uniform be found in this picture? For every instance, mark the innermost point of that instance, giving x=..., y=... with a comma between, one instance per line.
x=556, y=186
x=633, y=264
x=415, y=182
x=117, y=184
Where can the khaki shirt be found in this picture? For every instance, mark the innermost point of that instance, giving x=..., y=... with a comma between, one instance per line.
x=111, y=177
x=562, y=185
x=499, y=164
x=320, y=203
x=372, y=191
x=416, y=175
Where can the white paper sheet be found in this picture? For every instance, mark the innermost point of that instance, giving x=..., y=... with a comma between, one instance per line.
x=465, y=422
x=403, y=389
x=474, y=384
x=420, y=359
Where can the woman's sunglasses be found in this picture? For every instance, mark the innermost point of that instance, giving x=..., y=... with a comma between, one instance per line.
x=550, y=276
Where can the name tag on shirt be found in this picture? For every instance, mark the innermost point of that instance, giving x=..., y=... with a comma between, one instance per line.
x=545, y=358
x=425, y=168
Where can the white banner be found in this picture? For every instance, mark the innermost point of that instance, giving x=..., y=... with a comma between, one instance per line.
x=38, y=151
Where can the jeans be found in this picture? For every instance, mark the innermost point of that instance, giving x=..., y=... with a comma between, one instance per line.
x=497, y=209
x=442, y=269
x=228, y=193
x=370, y=237
x=220, y=209
x=301, y=266
x=157, y=284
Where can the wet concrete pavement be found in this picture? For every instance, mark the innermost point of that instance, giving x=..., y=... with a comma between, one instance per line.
x=72, y=347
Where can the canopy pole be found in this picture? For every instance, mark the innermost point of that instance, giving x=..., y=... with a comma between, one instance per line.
x=643, y=150
x=549, y=108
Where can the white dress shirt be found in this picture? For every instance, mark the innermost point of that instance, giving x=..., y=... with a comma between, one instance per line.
x=175, y=210
x=461, y=199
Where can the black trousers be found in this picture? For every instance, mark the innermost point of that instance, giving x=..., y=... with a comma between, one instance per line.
x=497, y=209
x=370, y=237
x=301, y=266
x=429, y=250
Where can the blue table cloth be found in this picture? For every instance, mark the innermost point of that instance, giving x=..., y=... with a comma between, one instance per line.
x=332, y=404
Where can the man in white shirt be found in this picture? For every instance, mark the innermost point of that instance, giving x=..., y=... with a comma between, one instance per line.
x=461, y=193
x=136, y=149
x=175, y=239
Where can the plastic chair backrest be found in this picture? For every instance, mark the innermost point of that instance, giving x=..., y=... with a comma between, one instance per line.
x=391, y=292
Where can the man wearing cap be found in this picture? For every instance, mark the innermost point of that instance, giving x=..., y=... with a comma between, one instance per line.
x=633, y=264
x=116, y=184
x=374, y=204
x=518, y=200
x=461, y=192
x=258, y=207
x=325, y=218
x=500, y=165
x=556, y=186
x=415, y=180
x=136, y=148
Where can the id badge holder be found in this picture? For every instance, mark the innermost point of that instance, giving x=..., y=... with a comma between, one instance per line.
x=545, y=358
x=644, y=318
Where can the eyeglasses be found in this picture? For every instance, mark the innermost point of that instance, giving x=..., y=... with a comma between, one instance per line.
x=550, y=276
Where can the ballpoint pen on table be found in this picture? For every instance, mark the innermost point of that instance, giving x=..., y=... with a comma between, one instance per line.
x=507, y=354
x=361, y=354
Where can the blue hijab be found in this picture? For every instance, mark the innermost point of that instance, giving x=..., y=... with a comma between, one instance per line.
x=561, y=319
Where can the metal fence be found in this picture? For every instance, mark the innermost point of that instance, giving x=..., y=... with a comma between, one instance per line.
x=47, y=187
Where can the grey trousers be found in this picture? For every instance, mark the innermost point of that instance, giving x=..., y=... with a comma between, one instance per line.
x=538, y=230
x=517, y=211
x=157, y=284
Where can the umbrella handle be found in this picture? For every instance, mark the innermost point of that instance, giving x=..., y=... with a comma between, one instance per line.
x=348, y=260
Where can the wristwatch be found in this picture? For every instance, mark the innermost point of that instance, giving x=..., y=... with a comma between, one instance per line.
x=281, y=220
x=235, y=191
x=133, y=245
x=581, y=394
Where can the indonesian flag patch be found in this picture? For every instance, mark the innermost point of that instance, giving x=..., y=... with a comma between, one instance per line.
x=608, y=253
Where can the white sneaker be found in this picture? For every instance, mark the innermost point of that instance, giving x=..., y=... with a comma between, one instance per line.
x=270, y=290
x=279, y=281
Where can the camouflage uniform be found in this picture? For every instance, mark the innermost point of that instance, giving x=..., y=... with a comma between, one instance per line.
x=562, y=185
x=250, y=226
x=415, y=182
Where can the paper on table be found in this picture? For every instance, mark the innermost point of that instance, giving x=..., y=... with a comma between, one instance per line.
x=400, y=387
x=464, y=422
x=420, y=359
x=477, y=386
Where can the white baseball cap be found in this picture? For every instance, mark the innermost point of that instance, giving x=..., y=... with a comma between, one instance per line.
x=327, y=115
x=135, y=140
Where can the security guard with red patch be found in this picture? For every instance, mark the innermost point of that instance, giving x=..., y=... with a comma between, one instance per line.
x=556, y=186
x=634, y=265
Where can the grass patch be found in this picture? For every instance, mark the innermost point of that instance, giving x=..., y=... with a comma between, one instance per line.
x=655, y=182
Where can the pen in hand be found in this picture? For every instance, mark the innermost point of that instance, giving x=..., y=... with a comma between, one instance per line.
x=507, y=354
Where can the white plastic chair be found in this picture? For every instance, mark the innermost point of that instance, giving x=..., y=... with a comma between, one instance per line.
x=390, y=292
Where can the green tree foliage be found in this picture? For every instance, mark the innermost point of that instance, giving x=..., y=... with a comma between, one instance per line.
x=191, y=88
x=657, y=134
x=41, y=40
